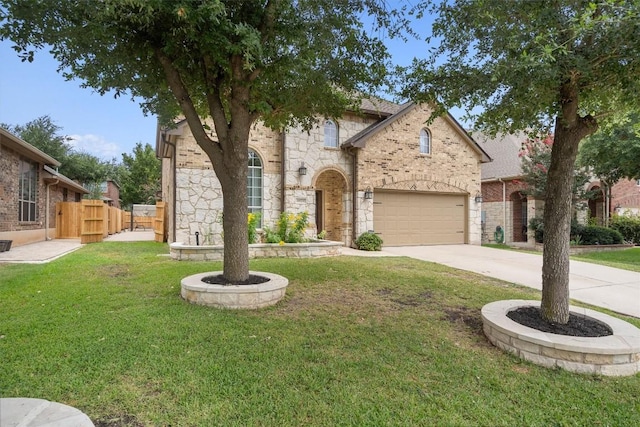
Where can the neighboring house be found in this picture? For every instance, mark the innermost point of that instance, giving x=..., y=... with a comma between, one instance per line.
x=623, y=198
x=382, y=170
x=30, y=187
x=504, y=204
x=110, y=193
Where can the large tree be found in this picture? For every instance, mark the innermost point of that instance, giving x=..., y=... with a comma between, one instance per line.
x=139, y=176
x=559, y=66
x=283, y=62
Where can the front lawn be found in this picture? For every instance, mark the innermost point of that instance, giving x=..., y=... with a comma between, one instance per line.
x=357, y=341
x=627, y=259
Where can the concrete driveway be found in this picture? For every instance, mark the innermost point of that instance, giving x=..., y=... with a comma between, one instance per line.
x=611, y=288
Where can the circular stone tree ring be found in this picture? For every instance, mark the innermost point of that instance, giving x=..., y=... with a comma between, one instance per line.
x=252, y=296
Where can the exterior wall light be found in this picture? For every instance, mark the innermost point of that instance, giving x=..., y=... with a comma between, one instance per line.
x=302, y=170
x=368, y=194
x=478, y=198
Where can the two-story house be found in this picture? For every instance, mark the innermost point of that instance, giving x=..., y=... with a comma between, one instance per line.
x=382, y=169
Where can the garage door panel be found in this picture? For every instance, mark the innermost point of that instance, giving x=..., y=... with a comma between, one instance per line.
x=403, y=218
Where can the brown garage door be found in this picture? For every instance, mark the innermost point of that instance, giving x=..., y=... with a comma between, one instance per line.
x=406, y=218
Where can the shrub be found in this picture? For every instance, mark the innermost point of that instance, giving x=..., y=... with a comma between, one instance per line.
x=537, y=226
x=289, y=228
x=253, y=220
x=369, y=242
x=581, y=234
x=596, y=235
x=628, y=226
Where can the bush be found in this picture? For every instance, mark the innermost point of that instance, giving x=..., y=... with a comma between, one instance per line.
x=628, y=226
x=369, y=242
x=596, y=235
x=253, y=220
x=581, y=234
x=289, y=228
x=537, y=226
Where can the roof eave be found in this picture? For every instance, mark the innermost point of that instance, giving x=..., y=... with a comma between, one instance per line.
x=26, y=149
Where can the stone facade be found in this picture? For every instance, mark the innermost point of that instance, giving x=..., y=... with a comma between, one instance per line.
x=390, y=160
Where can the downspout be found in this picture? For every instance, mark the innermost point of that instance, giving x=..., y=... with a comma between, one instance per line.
x=607, y=203
x=174, y=172
x=504, y=207
x=354, y=195
x=282, y=170
x=47, y=210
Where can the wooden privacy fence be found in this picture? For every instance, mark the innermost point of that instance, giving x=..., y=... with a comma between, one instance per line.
x=159, y=222
x=90, y=220
x=94, y=221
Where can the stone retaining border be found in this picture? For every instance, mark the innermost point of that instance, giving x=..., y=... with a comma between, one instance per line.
x=195, y=291
x=614, y=355
x=325, y=248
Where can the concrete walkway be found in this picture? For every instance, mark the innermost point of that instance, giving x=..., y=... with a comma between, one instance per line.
x=611, y=288
x=47, y=251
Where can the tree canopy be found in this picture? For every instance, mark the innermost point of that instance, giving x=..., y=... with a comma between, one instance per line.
x=614, y=153
x=79, y=166
x=283, y=62
x=139, y=176
x=552, y=66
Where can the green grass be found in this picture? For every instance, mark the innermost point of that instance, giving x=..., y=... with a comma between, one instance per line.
x=627, y=259
x=357, y=342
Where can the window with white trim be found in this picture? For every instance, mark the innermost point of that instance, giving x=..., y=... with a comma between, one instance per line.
x=254, y=184
x=330, y=134
x=425, y=141
x=27, y=205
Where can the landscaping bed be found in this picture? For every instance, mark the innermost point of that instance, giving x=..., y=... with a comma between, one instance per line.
x=315, y=249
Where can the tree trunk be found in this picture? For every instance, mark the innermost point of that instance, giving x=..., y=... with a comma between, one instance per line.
x=570, y=129
x=234, y=224
x=557, y=226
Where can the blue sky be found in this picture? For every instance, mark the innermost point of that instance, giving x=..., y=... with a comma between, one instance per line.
x=100, y=125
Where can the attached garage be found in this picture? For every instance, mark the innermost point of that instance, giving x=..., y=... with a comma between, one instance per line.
x=410, y=218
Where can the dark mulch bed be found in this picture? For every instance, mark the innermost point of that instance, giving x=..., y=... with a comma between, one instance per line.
x=578, y=326
x=220, y=280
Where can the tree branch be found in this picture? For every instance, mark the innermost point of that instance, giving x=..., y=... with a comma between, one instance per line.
x=181, y=93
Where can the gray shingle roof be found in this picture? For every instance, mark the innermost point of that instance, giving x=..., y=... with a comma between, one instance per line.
x=503, y=149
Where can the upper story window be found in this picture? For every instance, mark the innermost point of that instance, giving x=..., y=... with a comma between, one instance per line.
x=330, y=134
x=28, y=192
x=425, y=141
x=254, y=184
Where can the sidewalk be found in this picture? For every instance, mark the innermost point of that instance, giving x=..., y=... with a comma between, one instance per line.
x=47, y=251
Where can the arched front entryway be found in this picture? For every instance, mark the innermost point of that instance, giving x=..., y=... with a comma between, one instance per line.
x=596, y=205
x=520, y=219
x=331, y=188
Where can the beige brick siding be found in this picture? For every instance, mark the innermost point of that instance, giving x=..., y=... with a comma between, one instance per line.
x=392, y=160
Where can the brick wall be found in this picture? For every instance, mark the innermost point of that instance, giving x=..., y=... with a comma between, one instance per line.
x=333, y=189
x=392, y=160
x=626, y=195
x=9, y=191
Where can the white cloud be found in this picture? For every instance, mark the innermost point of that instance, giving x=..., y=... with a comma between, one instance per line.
x=96, y=145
